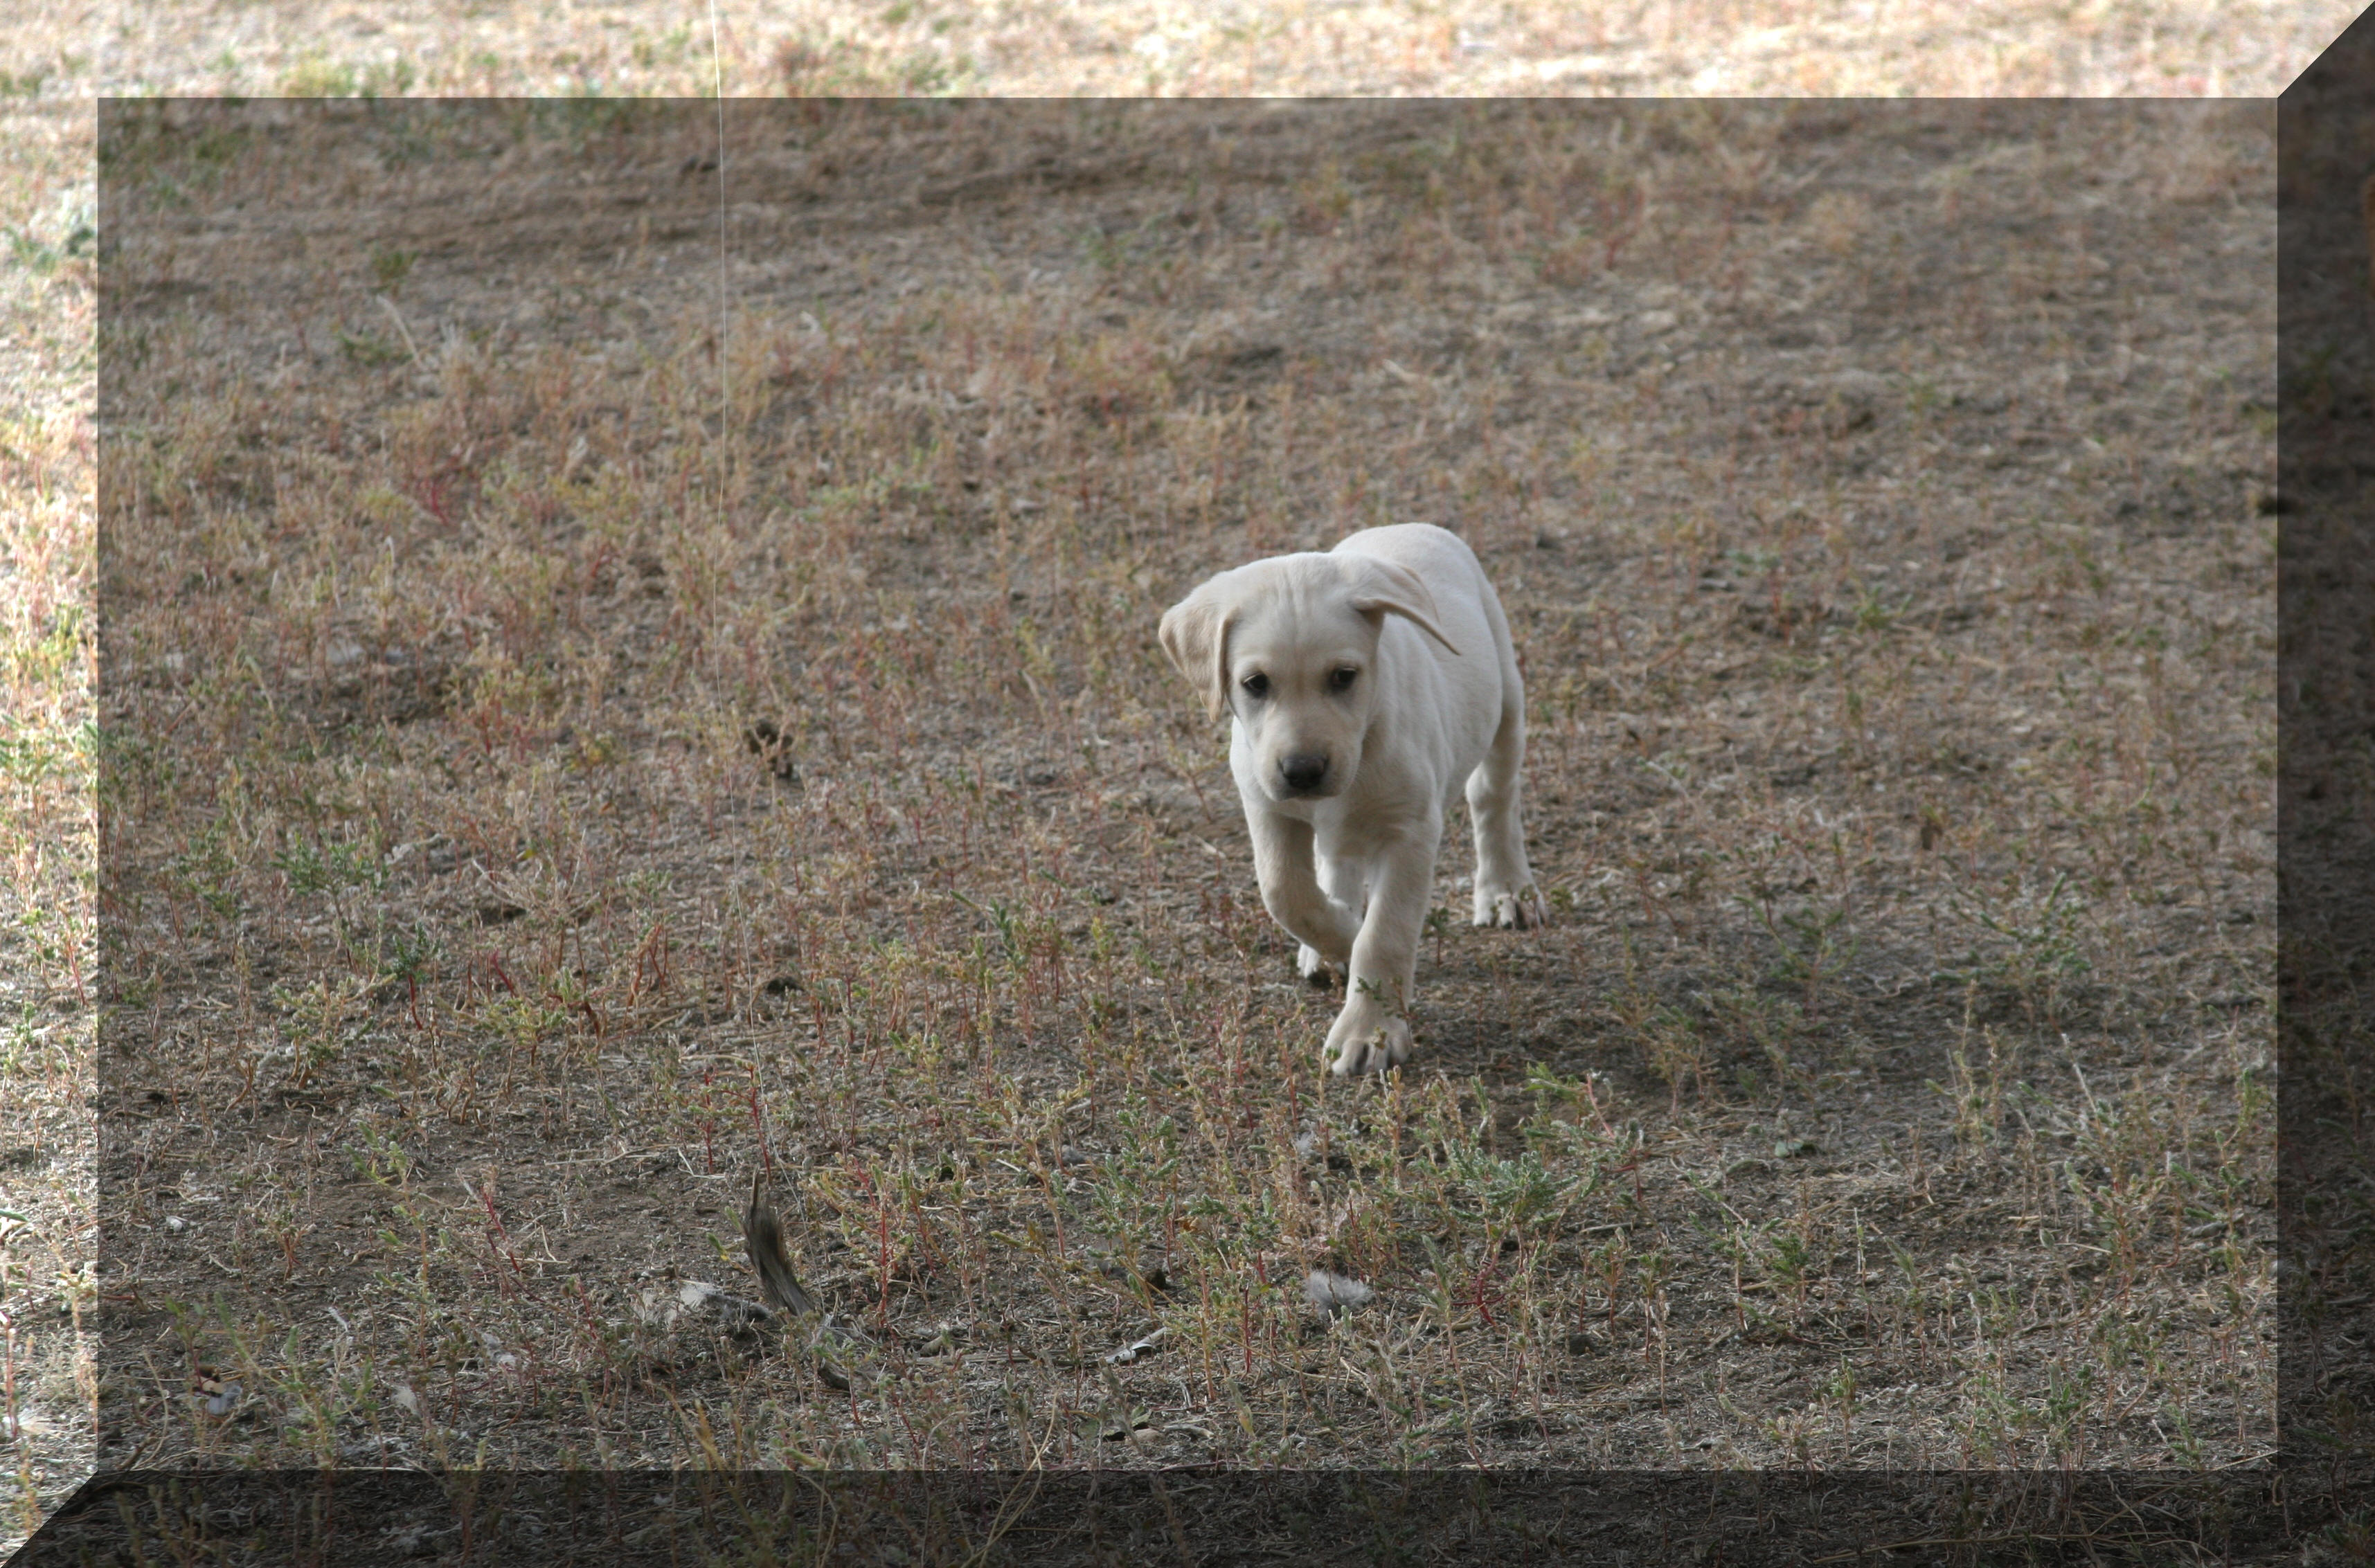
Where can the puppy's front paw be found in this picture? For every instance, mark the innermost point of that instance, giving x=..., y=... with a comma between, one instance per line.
x=1360, y=1047
x=1512, y=909
x=1314, y=970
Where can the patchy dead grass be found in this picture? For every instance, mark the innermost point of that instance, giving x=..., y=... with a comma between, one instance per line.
x=1876, y=496
x=1040, y=48
x=47, y=224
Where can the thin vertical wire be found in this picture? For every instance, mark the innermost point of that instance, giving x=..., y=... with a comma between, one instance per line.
x=724, y=387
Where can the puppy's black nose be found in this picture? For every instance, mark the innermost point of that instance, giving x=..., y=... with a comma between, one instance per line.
x=1303, y=771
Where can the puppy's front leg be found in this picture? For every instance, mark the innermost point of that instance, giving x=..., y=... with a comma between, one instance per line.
x=1343, y=879
x=1290, y=886
x=1372, y=1032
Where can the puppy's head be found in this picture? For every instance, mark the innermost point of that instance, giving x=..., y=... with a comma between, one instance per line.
x=1289, y=647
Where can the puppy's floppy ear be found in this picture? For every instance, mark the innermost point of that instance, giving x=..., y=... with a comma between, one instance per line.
x=1381, y=589
x=1194, y=635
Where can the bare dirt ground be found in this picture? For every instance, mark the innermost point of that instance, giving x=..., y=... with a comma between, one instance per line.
x=1880, y=495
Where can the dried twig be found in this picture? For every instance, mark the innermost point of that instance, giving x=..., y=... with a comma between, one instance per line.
x=834, y=1342
x=763, y=1234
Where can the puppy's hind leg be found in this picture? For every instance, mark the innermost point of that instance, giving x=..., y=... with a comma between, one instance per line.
x=1506, y=894
x=1341, y=880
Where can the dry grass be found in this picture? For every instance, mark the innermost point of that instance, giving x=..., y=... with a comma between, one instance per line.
x=65, y=53
x=47, y=1179
x=1040, y=48
x=1874, y=494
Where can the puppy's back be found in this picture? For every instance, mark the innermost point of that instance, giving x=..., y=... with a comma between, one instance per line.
x=1423, y=547
x=1466, y=607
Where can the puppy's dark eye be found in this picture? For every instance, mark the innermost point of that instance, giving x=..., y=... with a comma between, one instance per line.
x=1257, y=684
x=1342, y=679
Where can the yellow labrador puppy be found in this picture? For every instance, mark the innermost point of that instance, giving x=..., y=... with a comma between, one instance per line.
x=1365, y=685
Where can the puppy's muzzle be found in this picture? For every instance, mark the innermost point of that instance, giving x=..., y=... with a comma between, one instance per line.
x=1302, y=773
